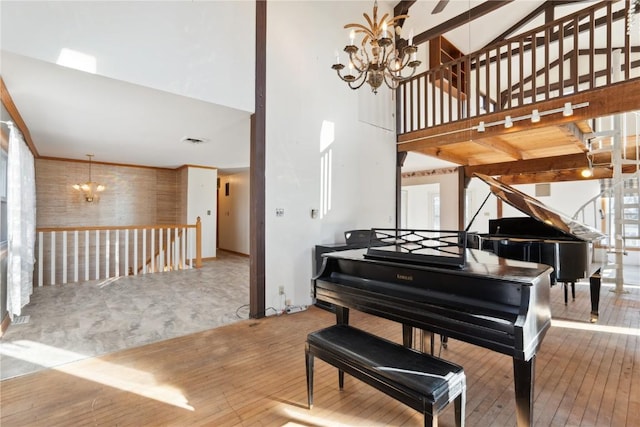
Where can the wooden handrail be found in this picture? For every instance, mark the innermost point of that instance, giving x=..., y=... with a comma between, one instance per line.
x=116, y=227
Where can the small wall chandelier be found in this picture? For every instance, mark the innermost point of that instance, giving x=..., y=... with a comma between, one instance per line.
x=90, y=188
x=379, y=60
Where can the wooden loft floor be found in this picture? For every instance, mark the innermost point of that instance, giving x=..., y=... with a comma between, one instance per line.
x=252, y=374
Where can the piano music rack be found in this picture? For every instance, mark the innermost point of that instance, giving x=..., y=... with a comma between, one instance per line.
x=426, y=247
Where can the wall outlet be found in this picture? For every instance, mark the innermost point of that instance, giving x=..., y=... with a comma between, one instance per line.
x=280, y=290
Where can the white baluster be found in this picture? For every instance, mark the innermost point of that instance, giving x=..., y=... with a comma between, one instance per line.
x=153, y=245
x=160, y=250
x=40, y=257
x=53, y=258
x=86, y=254
x=75, y=256
x=126, y=252
x=117, y=255
x=135, y=252
x=183, y=248
x=175, y=249
x=97, y=254
x=64, y=257
x=107, y=237
x=144, y=251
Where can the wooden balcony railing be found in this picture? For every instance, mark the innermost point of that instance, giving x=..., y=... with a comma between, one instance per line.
x=578, y=53
x=67, y=254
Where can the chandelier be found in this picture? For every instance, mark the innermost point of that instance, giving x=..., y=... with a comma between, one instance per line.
x=377, y=59
x=90, y=188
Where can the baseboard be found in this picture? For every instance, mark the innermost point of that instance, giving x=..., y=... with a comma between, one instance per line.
x=234, y=252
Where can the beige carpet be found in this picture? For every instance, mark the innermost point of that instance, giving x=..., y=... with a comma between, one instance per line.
x=75, y=321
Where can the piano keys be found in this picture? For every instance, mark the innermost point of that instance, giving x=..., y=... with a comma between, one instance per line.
x=493, y=302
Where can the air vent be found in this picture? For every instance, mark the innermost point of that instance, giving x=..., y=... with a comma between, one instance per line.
x=192, y=140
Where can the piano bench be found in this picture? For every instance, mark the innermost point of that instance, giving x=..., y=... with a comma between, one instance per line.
x=424, y=382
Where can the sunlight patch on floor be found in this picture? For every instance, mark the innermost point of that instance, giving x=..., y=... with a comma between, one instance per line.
x=96, y=370
x=595, y=327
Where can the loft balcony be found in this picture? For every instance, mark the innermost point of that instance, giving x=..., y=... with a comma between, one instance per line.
x=575, y=72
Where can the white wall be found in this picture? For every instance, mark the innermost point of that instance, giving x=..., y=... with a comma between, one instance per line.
x=302, y=93
x=448, y=196
x=201, y=202
x=233, y=213
x=419, y=206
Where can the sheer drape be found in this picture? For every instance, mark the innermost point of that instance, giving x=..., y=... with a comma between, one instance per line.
x=21, y=219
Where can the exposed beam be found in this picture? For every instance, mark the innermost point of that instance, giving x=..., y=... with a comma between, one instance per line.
x=552, y=164
x=497, y=143
x=463, y=18
x=257, y=155
x=555, y=176
x=537, y=11
x=439, y=154
x=402, y=8
x=613, y=99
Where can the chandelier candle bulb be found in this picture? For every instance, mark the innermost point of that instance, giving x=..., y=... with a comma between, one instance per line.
x=411, y=37
x=352, y=37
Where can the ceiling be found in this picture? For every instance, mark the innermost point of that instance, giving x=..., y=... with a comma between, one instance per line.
x=163, y=76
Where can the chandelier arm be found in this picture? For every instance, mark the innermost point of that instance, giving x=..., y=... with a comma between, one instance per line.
x=364, y=79
x=358, y=63
x=402, y=78
x=394, y=82
x=349, y=80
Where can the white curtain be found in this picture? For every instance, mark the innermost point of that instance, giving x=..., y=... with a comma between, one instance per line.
x=21, y=220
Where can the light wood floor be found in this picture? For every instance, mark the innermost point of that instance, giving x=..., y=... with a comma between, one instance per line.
x=252, y=374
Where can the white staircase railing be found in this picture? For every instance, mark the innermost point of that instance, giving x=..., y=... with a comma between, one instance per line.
x=67, y=255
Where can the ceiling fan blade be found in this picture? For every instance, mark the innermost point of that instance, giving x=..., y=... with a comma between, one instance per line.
x=439, y=7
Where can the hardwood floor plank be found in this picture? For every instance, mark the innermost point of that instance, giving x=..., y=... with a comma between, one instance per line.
x=252, y=374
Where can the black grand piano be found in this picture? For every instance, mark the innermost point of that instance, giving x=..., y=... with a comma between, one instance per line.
x=458, y=292
x=545, y=236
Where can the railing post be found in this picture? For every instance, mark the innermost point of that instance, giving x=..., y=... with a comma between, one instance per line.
x=198, y=243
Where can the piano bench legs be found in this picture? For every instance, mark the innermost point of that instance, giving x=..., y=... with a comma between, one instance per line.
x=421, y=381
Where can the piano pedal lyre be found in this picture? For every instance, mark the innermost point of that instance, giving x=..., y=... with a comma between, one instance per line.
x=422, y=340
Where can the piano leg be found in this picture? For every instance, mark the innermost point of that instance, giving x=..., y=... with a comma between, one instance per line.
x=407, y=335
x=523, y=376
x=342, y=315
x=594, y=289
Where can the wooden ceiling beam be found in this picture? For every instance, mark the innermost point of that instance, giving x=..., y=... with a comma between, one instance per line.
x=499, y=144
x=613, y=99
x=524, y=21
x=572, y=161
x=463, y=18
x=555, y=176
x=402, y=8
x=442, y=155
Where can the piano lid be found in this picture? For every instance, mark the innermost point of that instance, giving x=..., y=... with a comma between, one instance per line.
x=536, y=209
